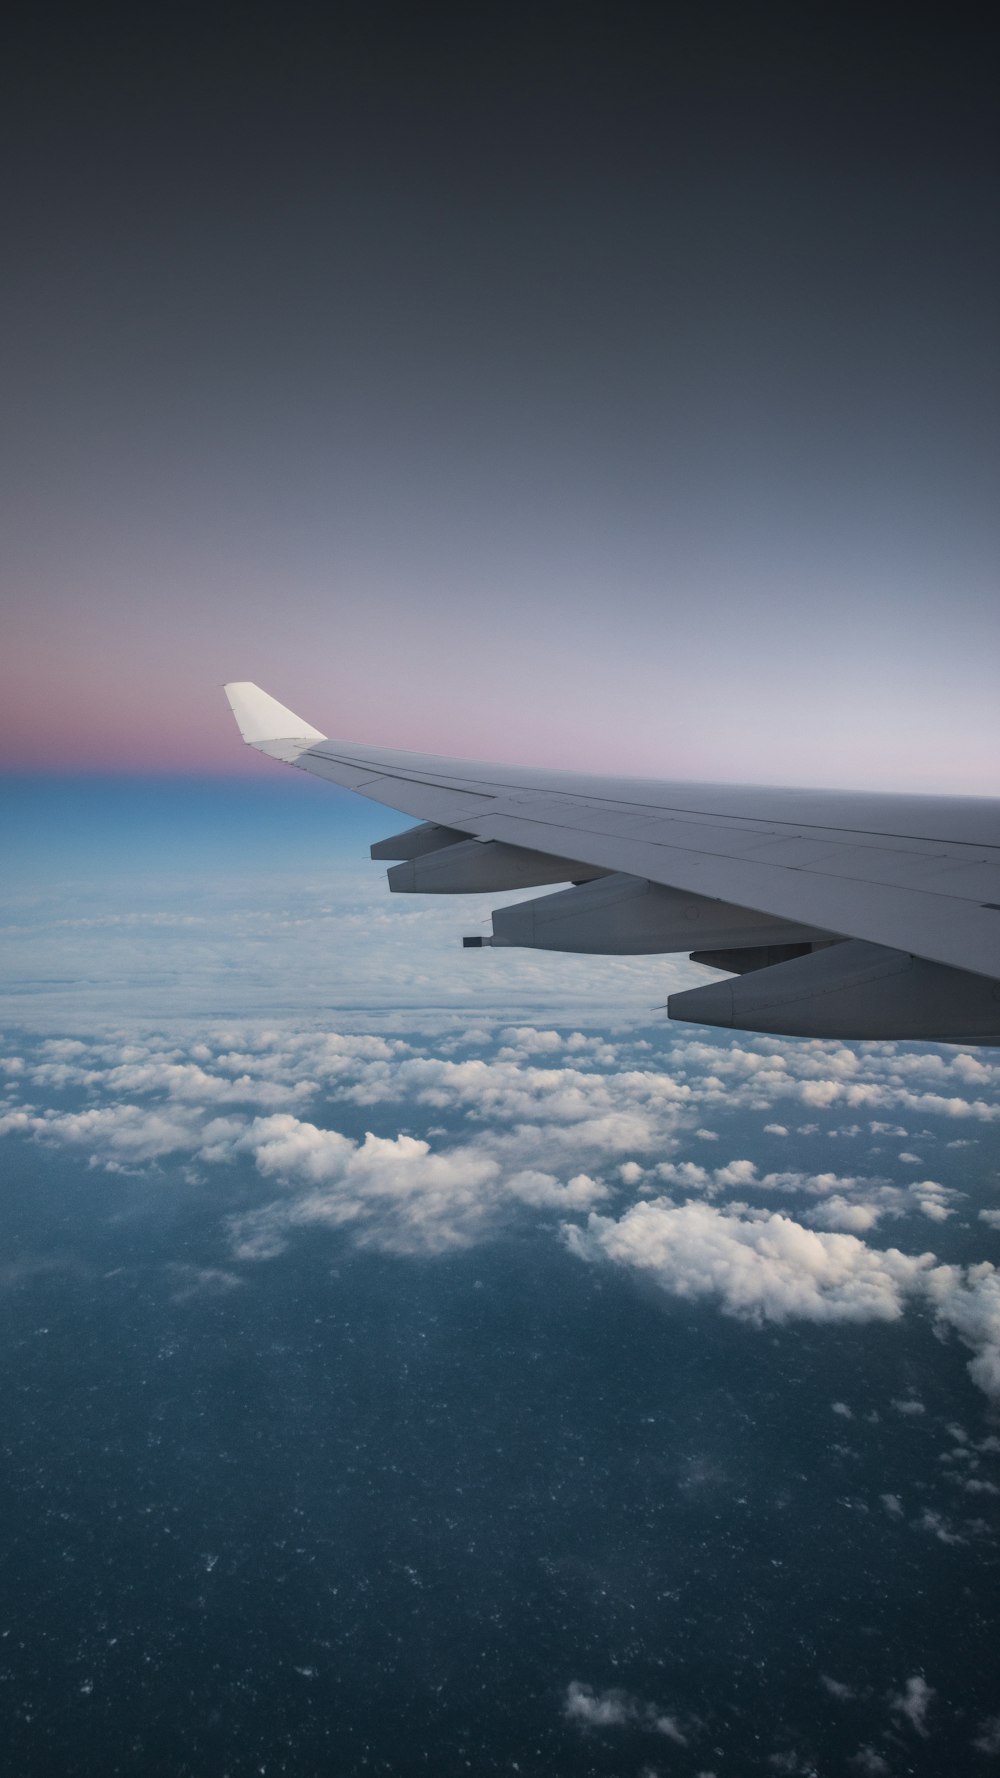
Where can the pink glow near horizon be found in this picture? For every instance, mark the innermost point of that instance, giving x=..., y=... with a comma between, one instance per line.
x=136, y=686
x=663, y=445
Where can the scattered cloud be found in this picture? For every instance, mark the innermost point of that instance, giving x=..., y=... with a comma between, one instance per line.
x=968, y=1300
x=591, y=1709
x=937, y=1526
x=838, y=1212
x=867, y=1760
x=913, y=1703
x=761, y=1266
x=545, y=1192
x=395, y=1192
x=586, y=1128
x=199, y=1281
x=596, y=1710
x=987, y=1740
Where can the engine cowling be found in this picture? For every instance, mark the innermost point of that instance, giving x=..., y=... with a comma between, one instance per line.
x=620, y=915
x=851, y=990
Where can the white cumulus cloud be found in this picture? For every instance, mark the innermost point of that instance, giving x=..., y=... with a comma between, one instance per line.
x=913, y=1702
x=592, y=1709
x=762, y=1267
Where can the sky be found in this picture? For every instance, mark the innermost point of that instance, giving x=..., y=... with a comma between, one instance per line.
x=126, y=900
x=570, y=385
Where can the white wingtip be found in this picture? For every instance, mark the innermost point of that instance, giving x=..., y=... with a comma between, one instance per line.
x=266, y=724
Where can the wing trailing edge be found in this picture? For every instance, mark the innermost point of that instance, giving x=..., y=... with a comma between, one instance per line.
x=840, y=914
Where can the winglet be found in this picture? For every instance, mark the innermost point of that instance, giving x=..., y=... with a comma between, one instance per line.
x=268, y=725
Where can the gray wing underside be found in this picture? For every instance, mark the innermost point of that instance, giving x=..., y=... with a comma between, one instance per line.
x=918, y=876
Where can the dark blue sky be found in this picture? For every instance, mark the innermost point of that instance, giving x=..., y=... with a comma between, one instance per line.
x=568, y=383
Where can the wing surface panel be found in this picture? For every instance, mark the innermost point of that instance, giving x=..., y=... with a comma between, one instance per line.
x=892, y=890
x=908, y=873
x=943, y=928
x=927, y=821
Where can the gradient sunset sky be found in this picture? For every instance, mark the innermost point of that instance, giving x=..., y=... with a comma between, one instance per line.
x=588, y=386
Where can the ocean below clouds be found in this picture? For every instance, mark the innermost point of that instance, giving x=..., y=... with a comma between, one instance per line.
x=418, y=1361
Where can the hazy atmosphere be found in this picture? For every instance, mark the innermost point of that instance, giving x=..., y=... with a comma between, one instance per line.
x=420, y=1360
x=612, y=387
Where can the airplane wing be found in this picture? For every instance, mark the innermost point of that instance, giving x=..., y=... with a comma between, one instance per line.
x=835, y=914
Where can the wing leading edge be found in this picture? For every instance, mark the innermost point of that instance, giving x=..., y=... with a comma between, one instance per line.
x=836, y=915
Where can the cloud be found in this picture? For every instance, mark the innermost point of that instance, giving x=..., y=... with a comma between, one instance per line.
x=531, y=1041
x=932, y=1200
x=860, y=1204
x=839, y=1213
x=550, y=1091
x=287, y=1146
x=852, y=1203
x=761, y=1072
x=21, y=1121
x=988, y=1738
x=190, y=1083
x=968, y=1300
x=938, y=1527
x=122, y=1133
x=837, y=1689
x=596, y=1710
x=868, y=1761
x=591, y=1709
x=973, y=1485
x=545, y=1192
x=397, y=1192
x=913, y=1703
x=553, y=1122
x=198, y=1281
x=761, y=1267
x=736, y=1173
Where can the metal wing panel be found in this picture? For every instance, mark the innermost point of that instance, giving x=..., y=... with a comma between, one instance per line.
x=862, y=886
x=943, y=928
x=424, y=799
x=929, y=821
x=908, y=873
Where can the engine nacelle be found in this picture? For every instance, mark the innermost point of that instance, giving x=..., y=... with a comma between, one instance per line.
x=620, y=915
x=851, y=990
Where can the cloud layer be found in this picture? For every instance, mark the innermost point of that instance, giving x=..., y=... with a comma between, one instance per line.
x=602, y=1135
